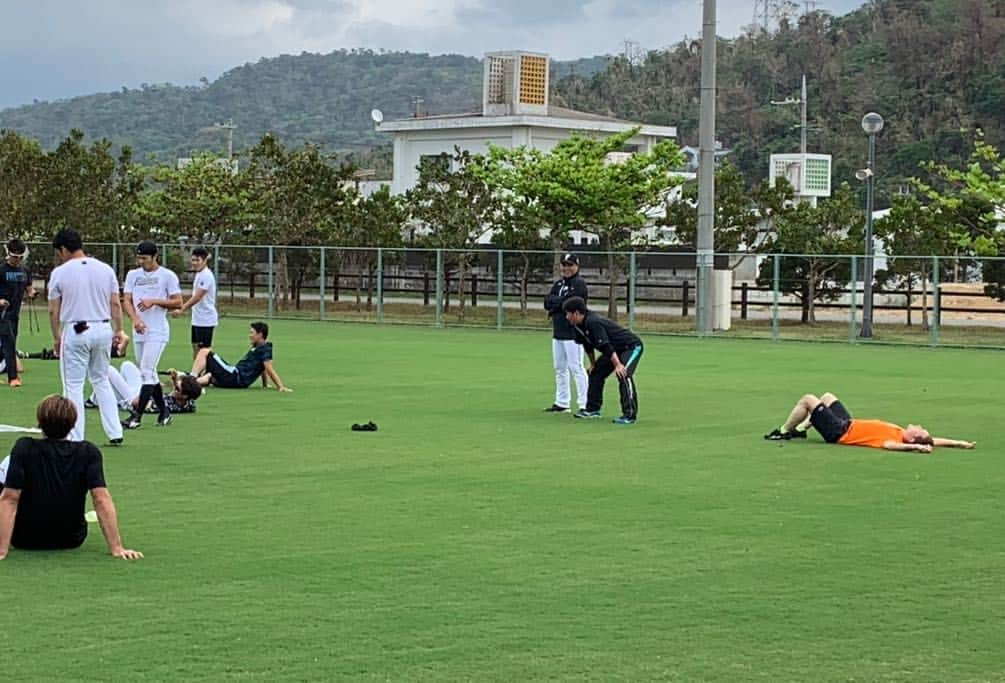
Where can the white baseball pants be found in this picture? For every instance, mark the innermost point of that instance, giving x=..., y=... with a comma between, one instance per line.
x=86, y=356
x=567, y=357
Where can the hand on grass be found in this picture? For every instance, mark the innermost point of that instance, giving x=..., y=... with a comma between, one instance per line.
x=127, y=554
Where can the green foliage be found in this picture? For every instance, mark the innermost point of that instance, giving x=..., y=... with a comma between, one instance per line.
x=808, y=240
x=741, y=215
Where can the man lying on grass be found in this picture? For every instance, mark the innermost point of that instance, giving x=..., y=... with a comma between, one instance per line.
x=43, y=484
x=836, y=425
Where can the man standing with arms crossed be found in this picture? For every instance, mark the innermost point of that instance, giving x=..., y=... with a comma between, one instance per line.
x=566, y=354
x=85, y=316
x=15, y=282
x=150, y=292
x=202, y=302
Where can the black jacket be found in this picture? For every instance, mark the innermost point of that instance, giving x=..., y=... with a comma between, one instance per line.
x=560, y=291
x=605, y=336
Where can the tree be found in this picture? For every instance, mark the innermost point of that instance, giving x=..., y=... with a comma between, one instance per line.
x=576, y=185
x=22, y=175
x=203, y=201
x=378, y=221
x=742, y=216
x=972, y=200
x=456, y=205
x=910, y=232
x=300, y=198
x=806, y=240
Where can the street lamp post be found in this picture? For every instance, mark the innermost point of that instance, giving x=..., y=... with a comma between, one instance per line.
x=872, y=123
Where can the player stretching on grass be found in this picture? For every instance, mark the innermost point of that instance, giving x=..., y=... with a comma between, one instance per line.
x=836, y=425
x=620, y=353
x=210, y=368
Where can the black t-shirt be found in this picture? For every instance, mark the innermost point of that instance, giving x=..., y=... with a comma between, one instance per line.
x=54, y=478
x=14, y=280
x=252, y=365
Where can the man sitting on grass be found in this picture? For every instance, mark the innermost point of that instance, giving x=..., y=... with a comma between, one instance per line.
x=836, y=425
x=210, y=368
x=43, y=484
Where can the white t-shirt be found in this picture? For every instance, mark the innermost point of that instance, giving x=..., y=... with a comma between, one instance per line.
x=204, y=312
x=155, y=284
x=85, y=287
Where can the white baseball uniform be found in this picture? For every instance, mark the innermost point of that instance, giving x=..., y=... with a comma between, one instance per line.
x=159, y=283
x=204, y=312
x=84, y=288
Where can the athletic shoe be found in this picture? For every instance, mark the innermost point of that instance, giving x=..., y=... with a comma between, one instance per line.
x=778, y=435
x=796, y=434
x=15, y=383
x=115, y=442
x=164, y=419
x=585, y=414
x=90, y=404
x=555, y=408
x=132, y=422
x=624, y=420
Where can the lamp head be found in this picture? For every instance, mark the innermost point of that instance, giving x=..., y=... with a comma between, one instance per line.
x=863, y=174
x=872, y=123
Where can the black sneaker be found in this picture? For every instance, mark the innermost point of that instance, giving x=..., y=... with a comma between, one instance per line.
x=778, y=435
x=796, y=434
x=585, y=414
x=555, y=408
x=115, y=442
x=132, y=422
x=90, y=404
x=164, y=419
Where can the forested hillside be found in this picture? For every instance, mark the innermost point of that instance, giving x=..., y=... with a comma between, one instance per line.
x=930, y=67
x=323, y=99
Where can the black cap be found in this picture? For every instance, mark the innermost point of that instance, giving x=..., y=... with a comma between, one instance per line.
x=570, y=259
x=146, y=248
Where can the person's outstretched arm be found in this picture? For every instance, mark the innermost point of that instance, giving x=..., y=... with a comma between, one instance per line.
x=8, y=510
x=109, y=521
x=892, y=445
x=952, y=443
x=274, y=376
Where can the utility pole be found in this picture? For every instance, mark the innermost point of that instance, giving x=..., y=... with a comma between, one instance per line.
x=706, y=170
x=803, y=125
x=229, y=126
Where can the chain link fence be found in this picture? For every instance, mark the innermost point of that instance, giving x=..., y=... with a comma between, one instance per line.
x=924, y=300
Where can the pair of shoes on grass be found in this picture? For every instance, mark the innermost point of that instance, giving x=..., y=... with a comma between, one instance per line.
x=368, y=427
x=779, y=435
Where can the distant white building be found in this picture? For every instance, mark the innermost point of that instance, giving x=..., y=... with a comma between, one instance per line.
x=515, y=111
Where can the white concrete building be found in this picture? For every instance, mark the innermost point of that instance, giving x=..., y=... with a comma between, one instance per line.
x=515, y=111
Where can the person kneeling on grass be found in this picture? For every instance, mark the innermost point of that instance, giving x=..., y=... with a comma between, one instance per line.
x=210, y=368
x=836, y=425
x=43, y=484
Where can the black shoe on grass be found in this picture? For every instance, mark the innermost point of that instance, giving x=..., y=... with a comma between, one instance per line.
x=555, y=408
x=778, y=435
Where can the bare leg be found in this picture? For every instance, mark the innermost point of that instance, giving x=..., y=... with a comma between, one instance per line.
x=827, y=399
x=195, y=351
x=801, y=412
x=199, y=362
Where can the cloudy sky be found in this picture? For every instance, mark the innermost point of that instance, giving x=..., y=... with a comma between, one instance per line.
x=52, y=49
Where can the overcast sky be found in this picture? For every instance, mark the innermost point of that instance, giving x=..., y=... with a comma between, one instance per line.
x=51, y=49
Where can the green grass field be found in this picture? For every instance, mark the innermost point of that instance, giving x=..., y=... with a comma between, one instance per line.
x=476, y=538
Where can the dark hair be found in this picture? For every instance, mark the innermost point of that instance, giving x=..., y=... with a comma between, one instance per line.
x=927, y=440
x=16, y=246
x=261, y=328
x=201, y=252
x=56, y=416
x=190, y=387
x=67, y=239
x=575, y=304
